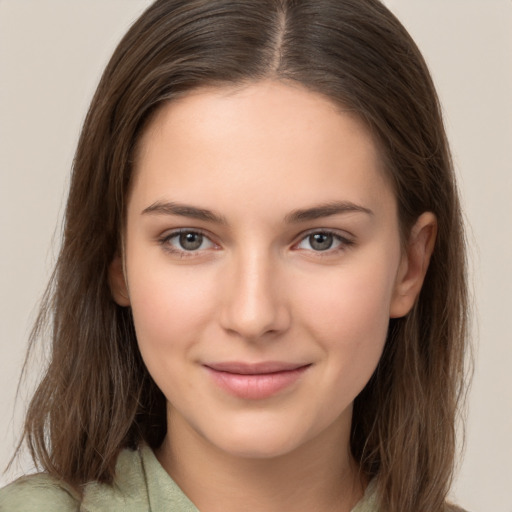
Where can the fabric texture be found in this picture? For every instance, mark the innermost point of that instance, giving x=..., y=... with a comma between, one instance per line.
x=141, y=485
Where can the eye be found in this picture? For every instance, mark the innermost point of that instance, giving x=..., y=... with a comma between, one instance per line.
x=323, y=241
x=186, y=241
x=190, y=241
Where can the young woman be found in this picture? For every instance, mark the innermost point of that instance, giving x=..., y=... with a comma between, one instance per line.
x=260, y=299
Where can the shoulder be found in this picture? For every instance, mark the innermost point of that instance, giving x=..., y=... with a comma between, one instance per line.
x=128, y=492
x=369, y=502
x=44, y=493
x=41, y=493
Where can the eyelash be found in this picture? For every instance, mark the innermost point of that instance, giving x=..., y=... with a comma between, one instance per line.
x=182, y=253
x=344, y=242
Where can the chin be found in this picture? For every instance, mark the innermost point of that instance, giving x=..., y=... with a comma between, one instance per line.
x=257, y=447
x=264, y=441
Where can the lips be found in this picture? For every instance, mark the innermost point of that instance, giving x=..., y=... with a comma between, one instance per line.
x=255, y=381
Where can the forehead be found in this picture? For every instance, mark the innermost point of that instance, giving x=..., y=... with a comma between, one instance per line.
x=267, y=138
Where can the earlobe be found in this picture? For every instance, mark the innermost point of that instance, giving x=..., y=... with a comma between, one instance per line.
x=117, y=282
x=414, y=265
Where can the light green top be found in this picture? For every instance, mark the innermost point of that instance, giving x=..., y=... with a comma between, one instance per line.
x=141, y=485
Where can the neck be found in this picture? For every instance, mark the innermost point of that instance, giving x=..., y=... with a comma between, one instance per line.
x=312, y=477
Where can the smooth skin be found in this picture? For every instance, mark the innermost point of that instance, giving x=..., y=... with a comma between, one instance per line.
x=261, y=227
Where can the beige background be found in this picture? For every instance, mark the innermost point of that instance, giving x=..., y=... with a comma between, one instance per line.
x=51, y=55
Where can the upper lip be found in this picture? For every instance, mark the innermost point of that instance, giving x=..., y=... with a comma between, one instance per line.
x=254, y=368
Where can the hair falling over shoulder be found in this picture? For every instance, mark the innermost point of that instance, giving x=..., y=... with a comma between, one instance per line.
x=96, y=396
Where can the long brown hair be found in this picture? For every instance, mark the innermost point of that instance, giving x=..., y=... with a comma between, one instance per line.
x=97, y=397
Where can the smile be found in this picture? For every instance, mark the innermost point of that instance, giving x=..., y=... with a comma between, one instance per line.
x=255, y=381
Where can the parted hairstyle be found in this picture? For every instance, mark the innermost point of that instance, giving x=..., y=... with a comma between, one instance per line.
x=97, y=396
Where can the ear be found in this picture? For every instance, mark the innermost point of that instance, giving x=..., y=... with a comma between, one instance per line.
x=117, y=282
x=414, y=264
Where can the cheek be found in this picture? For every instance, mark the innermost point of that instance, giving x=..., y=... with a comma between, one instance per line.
x=353, y=302
x=169, y=309
x=348, y=316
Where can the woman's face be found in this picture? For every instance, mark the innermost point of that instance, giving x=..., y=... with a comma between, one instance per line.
x=262, y=263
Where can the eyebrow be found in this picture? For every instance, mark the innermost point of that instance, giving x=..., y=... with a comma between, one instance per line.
x=184, y=210
x=325, y=210
x=296, y=216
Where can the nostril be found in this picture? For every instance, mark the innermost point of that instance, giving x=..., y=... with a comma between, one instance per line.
x=252, y=300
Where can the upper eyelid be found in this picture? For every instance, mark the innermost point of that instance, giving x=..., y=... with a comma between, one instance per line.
x=343, y=235
x=302, y=234
x=164, y=241
x=166, y=236
x=177, y=231
x=329, y=231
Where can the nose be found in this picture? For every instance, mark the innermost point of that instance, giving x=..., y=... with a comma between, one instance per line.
x=254, y=306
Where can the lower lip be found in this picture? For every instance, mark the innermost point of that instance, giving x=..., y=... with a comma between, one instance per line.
x=256, y=387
